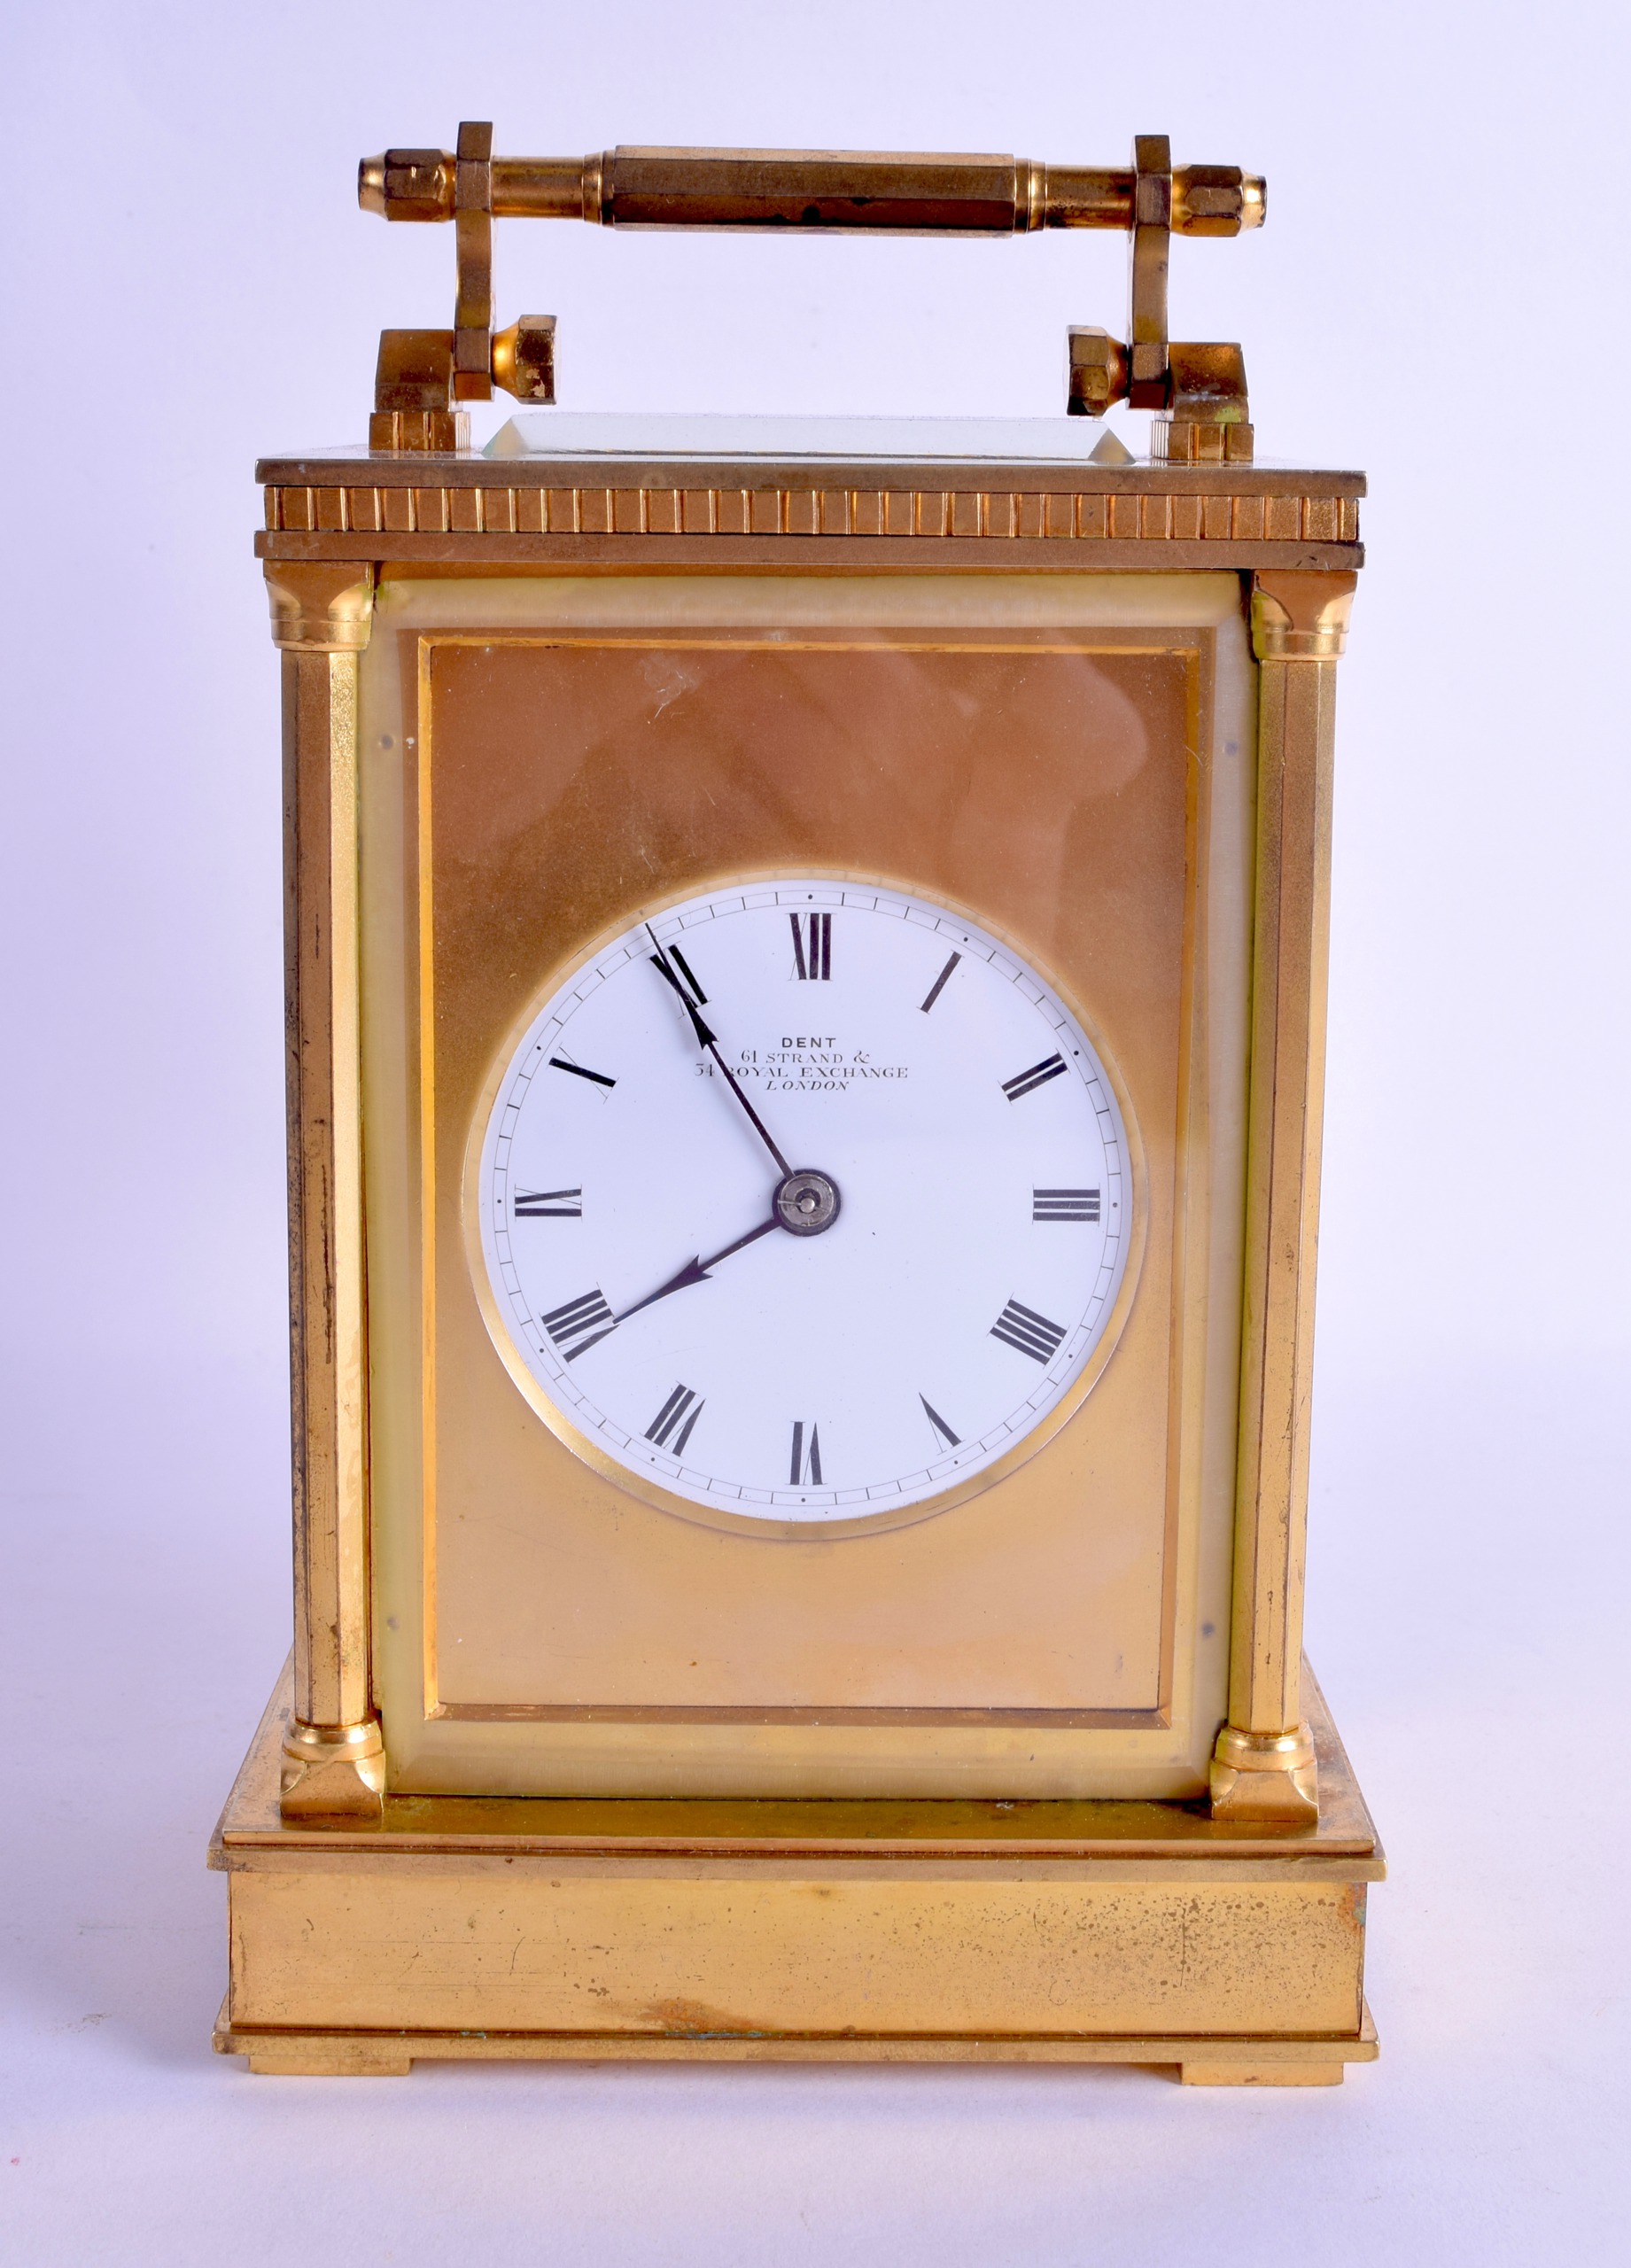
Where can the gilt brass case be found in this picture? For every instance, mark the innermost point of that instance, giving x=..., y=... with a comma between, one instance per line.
x=1032, y=1769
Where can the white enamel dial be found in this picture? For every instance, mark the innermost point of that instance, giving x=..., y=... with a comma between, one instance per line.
x=806, y=1202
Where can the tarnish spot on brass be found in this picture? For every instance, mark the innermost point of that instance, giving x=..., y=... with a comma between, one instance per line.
x=695, y=2020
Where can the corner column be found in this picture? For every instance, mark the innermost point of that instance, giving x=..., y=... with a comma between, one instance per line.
x=333, y=1759
x=1263, y=1765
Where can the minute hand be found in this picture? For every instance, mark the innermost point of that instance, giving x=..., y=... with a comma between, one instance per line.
x=705, y=1039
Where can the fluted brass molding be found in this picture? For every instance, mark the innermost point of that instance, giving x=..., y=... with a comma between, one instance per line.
x=334, y=1764
x=1263, y=1766
x=1144, y=516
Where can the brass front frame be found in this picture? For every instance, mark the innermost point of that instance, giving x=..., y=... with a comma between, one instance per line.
x=1159, y=1752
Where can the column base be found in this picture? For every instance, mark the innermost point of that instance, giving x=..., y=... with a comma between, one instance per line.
x=1266, y=1776
x=334, y=1772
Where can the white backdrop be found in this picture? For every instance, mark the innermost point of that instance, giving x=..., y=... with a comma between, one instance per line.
x=1438, y=298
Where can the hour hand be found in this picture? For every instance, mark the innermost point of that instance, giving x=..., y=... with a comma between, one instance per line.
x=697, y=1272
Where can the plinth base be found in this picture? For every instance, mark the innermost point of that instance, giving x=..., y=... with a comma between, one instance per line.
x=798, y=1932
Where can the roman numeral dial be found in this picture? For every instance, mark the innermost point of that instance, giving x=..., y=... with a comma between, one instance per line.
x=848, y=1239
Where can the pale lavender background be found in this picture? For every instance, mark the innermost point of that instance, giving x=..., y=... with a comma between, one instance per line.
x=1438, y=298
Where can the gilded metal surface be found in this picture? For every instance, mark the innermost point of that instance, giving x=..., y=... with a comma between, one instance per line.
x=1269, y=2061
x=413, y=395
x=1096, y=373
x=1261, y=1768
x=810, y=189
x=472, y=213
x=1265, y=1777
x=1138, y=515
x=1340, y=1845
x=555, y=1630
x=848, y=191
x=1148, y=262
x=317, y=610
x=321, y=617
x=524, y=359
x=329, y=530
x=1208, y=420
x=1116, y=1933
x=1300, y=617
x=332, y=1772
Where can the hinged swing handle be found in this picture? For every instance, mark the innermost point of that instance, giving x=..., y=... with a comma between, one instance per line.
x=422, y=375
x=847, y=190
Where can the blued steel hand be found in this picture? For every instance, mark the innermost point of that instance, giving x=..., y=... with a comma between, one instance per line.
x=697, y=1272
x=705, y=1039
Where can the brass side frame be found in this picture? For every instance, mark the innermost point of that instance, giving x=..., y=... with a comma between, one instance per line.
x=1264, y=1765
x=333, y=1755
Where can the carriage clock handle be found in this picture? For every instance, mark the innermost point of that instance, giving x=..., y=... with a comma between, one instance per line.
x=422, y=376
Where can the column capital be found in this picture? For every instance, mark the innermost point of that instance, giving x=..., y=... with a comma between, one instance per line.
x=318, y=608
x=1301, y=614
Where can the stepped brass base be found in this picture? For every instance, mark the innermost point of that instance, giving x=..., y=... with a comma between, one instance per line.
x=798, y=1932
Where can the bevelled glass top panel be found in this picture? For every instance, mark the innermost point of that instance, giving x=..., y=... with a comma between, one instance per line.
x=557, y=433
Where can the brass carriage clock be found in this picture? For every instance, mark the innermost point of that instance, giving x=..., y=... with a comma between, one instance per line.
x=806, y=979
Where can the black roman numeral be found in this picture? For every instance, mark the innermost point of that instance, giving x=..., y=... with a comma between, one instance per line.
x=681, y=1404
x=1064, y=1204
x=581, y=1323
x=1032, y=1334
x=942, y=1432
x=813, y=945
x=939, y=984
x=683, y=966
x=548, y=1205
x=560, y=1063
x=659, y=961
x=673, y=954
x=807, y=1465
x=1026, y=1082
